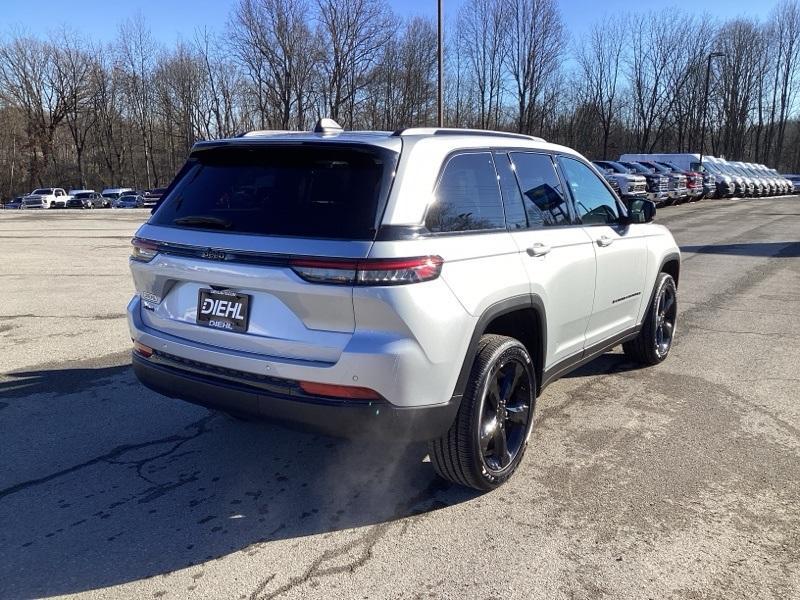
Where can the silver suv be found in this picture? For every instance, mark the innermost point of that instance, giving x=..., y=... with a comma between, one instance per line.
x=425, y=284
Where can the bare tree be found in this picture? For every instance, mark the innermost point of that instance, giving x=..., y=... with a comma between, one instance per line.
x=600, y=58
x=741, y=42
x=353, y=34
x=535, y=45
x=483, y=27
x=274, y=36
x=783, y=48
x=29, y=79
x=137, y=53
x=77, y=72
x=127, y=113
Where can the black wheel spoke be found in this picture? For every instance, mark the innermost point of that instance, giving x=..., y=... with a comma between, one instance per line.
x=669, y=300
x=512, y=379
x=667, y=330
x=518, y=414
x=493, y=393
x=488, y=430
x=501, y=447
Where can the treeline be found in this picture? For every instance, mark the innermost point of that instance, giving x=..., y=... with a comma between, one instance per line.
x=75, y=112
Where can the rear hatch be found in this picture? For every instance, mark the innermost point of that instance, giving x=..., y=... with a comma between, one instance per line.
x=256, y=224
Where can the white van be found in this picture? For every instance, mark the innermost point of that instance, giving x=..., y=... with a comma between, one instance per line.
x=684, y=162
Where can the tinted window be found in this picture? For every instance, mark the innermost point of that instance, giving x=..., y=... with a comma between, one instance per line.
x=467, y=197
x=545, y=204
x=594, y=202
x=325, y=191
x=512, y=197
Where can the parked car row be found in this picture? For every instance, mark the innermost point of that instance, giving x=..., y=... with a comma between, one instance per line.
x=47, y=198
x=675, y=178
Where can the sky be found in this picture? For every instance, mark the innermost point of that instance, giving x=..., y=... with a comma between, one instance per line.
x=170, y=20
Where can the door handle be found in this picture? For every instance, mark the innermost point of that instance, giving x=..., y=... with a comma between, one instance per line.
x=604, y=241
x=538, y=249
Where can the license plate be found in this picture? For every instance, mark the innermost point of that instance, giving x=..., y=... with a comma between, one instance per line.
x=223, y=309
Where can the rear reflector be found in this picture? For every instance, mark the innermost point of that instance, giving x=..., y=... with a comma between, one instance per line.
x=369, y=271
x=142, y=350
x=339, y=391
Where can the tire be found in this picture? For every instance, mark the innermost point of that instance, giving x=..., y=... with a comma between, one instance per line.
x=654, y=341
x=502, y=381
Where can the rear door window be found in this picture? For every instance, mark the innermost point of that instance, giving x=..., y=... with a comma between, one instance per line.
x=324, y=191
x=512, y=197
x=545, y=203
x=467, y=197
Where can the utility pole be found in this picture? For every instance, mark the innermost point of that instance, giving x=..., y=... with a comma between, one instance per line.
x=439, y=95
x=705, y=106
x=13, y=162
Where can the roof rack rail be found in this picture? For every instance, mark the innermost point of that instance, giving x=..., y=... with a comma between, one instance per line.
x=265, y=132
x=456, y=131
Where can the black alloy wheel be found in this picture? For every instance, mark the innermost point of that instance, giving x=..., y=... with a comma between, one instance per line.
x=487, y=441
x=655, y=338
x=666, y=313
x=505, y=414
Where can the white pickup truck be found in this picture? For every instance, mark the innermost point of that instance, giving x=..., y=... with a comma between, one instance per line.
x=46, y=198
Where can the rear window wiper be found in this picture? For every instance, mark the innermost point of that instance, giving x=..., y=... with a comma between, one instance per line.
x=203, y=221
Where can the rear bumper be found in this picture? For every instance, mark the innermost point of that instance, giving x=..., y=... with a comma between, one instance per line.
x=342, y=418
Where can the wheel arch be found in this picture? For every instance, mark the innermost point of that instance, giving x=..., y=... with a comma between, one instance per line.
x=671, y=264
x=521, y=317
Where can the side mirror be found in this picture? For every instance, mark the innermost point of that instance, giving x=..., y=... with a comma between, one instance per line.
x=641, y=211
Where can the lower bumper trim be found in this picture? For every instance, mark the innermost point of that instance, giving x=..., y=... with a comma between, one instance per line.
x=341, y=418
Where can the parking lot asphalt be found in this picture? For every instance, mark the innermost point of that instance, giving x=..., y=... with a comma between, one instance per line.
x=679, y=481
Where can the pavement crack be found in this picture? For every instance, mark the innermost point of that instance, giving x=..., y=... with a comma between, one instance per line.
x=364, y=544
x=261, y=587
x=737, y=332
x=200, y=427
x=406, y=513
x=705, y=306
x=79, y=317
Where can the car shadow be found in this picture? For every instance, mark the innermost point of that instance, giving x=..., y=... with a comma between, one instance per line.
x=765, y=249
x=105, y=482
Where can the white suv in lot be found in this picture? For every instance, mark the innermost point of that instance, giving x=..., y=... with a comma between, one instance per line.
x=426, y=284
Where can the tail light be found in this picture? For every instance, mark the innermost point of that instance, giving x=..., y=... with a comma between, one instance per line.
x=143, y=250
x=376, y=271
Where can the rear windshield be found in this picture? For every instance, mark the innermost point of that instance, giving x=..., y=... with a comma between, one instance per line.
x=323, y=191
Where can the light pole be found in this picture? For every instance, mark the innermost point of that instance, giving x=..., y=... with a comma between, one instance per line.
x=705, y=106
x=439, y=97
